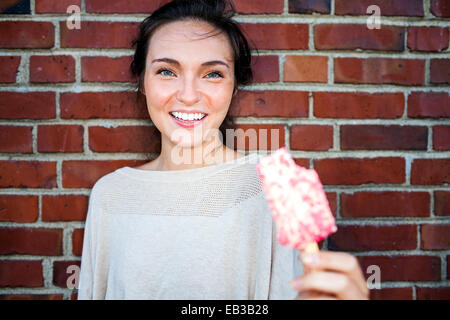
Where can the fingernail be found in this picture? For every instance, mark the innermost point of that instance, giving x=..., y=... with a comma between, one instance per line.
x=296, y=284
x=310, y=259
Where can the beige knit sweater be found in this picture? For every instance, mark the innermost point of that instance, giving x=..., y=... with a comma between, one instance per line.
x=204, y=233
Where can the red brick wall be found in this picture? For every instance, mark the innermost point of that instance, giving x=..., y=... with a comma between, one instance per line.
x=368, y=109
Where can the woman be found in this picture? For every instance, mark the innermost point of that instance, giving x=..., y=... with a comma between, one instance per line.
x=194, y=223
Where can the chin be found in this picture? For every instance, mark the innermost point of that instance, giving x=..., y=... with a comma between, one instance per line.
x=193, y=137
x=187, y=141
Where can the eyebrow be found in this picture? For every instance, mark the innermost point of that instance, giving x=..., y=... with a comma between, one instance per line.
x=207, y=63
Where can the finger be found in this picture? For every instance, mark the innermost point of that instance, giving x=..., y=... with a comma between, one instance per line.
x=312, y=295
x=309, y=294
x=302, y=295
x=321, y=297
x=330, y=283
x=339, y=262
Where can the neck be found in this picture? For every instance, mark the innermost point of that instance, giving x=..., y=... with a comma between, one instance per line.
x=174, y=157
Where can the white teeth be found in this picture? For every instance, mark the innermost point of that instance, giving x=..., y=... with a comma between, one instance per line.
x=188, y=116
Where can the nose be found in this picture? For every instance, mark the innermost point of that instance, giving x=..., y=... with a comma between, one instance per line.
x=188, y=92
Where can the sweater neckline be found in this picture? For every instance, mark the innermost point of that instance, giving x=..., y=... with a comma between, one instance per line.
x=188, y=174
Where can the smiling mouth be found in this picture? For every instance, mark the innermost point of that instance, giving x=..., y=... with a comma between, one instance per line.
x=190, y=119
x=186, y=123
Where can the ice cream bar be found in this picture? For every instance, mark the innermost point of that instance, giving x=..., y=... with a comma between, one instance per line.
x=297, y=200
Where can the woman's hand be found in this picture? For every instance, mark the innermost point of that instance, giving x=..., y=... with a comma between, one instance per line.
x=331, y=275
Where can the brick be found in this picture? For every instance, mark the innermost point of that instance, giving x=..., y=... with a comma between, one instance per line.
x=430, y=171
x=10, y=66
x=448, y=267
x=306, y=69
x=259, y=6
x=258, y=137
x=31, y=297
x=96, y=34
x=60, y=138
x=19, y=273
x=265, y=69
x=276, y=35
x=19, y=208
x=123, y=6
x=438, y=293
x=387, y=7
x=16, y=139
x=428, y=105
x=64, y=208
x=93, y=69
x=60, y=274
x=27, y=174
x=435, y=237
x=428, y=38
x=27, y=35
x=388, y=137
x=270, y=103
x=440, y=71
x=302, y=162
x=358, y=36
x=373, y=238
x=34, y=241
x=27, y=105
x=55, y=6
x=77, y=241
x=398, y=268
x=441, y=138
x=352, y=171
x=385, y=204
x=311, y=137
x=442, y=203
x=124, y=139
x=84, y=173
x=309, y=6
x=58, y=68
x=440, y=8
x=379, y=71
x=391, y=294
x=358, y=105
x=106, y=105
x=332, y=202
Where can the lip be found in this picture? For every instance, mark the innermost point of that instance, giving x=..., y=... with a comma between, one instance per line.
x=188, y=111
x=187, y=124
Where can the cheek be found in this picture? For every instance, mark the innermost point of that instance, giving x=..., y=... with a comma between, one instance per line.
x=221, y=98
x=156, y=94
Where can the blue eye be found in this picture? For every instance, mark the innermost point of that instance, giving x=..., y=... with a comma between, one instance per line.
x=165, y=72
x=168, y=73
x=218, y=74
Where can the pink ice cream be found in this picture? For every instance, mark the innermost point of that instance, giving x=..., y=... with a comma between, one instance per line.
x=298, y=202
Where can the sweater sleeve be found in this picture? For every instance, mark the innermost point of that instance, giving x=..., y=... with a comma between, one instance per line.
x=285, y=267
x=93, y=273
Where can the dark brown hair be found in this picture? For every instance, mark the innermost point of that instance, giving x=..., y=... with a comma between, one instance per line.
x=217, y=13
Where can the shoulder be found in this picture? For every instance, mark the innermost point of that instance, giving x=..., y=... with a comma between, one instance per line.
x=244, y=178
x=106, y=183
x=249, y=163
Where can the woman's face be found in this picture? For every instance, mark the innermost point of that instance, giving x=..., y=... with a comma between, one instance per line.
x=189, y=73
